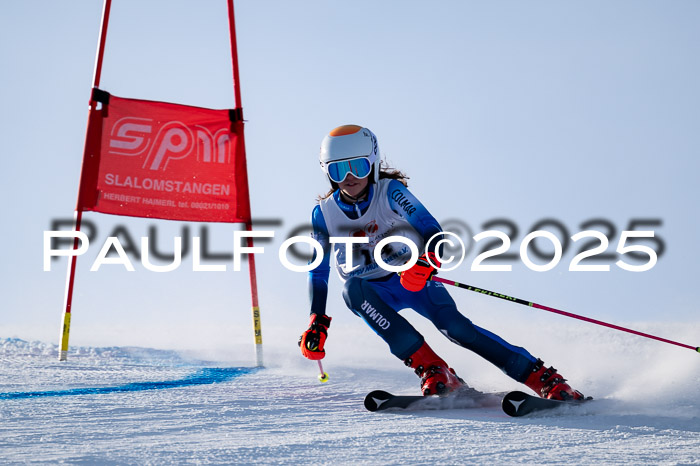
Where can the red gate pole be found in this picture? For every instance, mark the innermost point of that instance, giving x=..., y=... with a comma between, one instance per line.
x=70, y=279
x=257, y=327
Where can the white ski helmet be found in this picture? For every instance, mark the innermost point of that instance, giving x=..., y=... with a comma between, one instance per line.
x=349, y=142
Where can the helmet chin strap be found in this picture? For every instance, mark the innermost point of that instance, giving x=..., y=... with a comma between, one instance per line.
x=354, y=200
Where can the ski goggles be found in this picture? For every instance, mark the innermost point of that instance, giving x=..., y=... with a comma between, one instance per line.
x=358, y=167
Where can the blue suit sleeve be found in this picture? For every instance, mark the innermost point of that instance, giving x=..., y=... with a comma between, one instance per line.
x=318, y=277
x=404, y=203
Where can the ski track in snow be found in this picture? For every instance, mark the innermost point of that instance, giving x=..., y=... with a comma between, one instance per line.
x=281, y=415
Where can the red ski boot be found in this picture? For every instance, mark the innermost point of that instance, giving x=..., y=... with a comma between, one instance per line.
x=437, y=378
x=548, y=384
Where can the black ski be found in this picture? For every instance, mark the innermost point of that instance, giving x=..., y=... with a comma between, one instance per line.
x=379, y=400
x=518, y=404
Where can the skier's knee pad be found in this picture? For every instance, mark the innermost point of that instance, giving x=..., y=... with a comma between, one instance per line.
x=397, y=332
x=459, y=329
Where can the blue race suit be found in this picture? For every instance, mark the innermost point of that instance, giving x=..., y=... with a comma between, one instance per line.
x=378, y=298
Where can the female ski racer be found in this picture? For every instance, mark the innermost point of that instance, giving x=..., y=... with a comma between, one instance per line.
x=367, y=201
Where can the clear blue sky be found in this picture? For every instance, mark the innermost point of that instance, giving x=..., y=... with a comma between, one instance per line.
x=517, y=110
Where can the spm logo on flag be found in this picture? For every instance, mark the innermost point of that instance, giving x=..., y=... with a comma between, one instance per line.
x=164, y=160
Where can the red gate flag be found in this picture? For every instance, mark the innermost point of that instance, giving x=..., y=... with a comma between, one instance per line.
x=162, y=160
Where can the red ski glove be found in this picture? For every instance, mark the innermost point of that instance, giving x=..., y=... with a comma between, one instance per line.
x=312, y=340
x=414, y=279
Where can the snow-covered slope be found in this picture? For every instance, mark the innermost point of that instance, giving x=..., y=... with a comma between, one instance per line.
x=147, y=406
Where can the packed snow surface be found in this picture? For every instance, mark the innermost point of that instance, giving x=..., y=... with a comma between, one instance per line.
x=148, y=406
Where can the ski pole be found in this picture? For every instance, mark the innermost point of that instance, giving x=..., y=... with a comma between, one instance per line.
x=557, y=311
x=322, y=376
